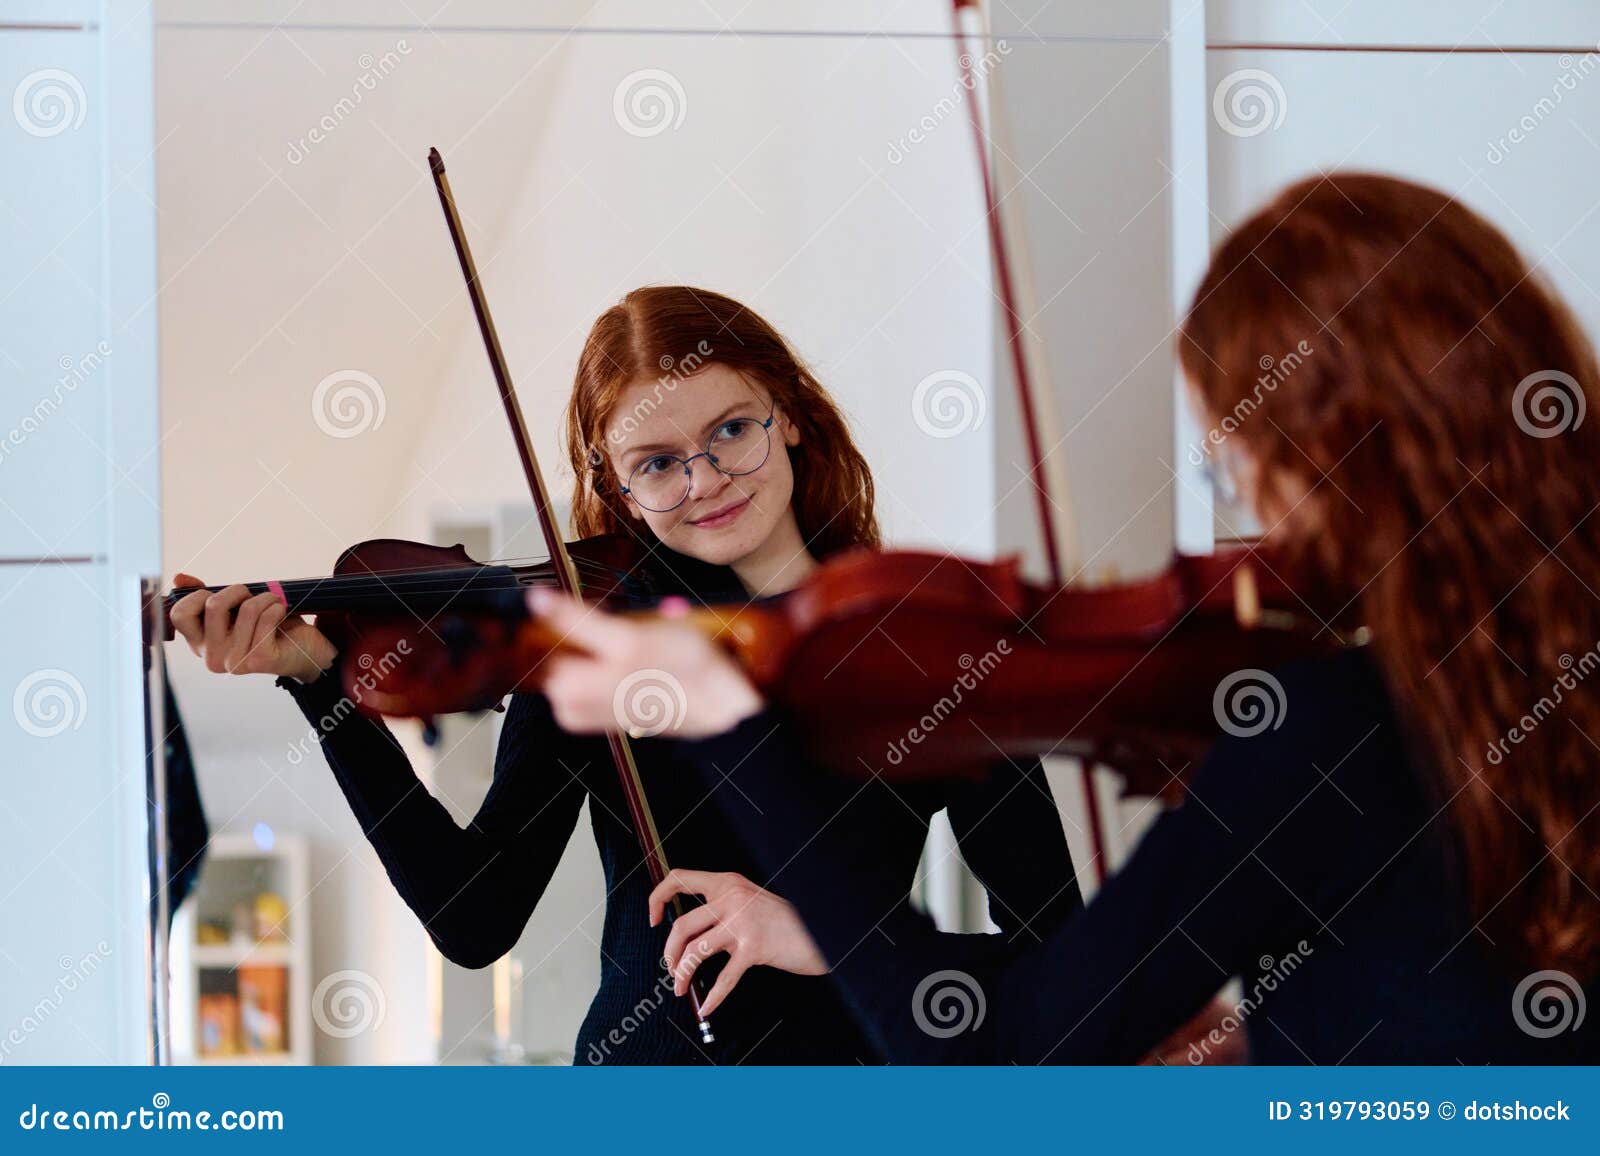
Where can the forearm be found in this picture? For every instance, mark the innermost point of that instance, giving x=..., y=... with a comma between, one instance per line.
x=467, y=886
x=1009, y=829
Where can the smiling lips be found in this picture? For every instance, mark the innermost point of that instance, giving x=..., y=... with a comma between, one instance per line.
x=720, y=518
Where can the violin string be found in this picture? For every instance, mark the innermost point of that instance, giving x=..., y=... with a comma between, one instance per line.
x=348, y=589
x=388, y=592
x=441, y=578
x=386, y=583
x=410, y=571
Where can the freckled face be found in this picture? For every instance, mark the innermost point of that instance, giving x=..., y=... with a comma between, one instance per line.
x=723, y=519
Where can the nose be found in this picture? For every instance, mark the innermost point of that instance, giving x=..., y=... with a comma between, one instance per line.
x=704, y=478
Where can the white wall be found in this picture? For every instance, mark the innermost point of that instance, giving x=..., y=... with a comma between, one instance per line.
x=775, y=189
x=1497, y=106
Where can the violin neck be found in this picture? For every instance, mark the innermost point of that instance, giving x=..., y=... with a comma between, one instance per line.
x=495, y=590
x=758, y=636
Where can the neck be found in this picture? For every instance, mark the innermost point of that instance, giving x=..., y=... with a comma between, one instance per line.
x=777, y=565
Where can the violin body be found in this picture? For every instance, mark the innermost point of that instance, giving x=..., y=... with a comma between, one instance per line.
x=461, y=637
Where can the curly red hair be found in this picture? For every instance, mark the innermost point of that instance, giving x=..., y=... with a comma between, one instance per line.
x=1438, y=421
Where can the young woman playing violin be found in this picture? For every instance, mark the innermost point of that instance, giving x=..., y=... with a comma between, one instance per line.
x=738, y=470
x=1402, y=863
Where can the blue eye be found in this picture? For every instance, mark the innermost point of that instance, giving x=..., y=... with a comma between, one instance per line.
x=655, y=465
x=736, y=428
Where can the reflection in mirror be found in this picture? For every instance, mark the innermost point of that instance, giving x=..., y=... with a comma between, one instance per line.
x=324, y=383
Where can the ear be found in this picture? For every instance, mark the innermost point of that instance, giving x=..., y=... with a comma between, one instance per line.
x=791, y=431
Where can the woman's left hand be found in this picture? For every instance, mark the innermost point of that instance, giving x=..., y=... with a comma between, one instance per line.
x=750, y=923
x=641, y=678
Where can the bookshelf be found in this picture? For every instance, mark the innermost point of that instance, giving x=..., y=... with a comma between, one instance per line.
x=241, y=967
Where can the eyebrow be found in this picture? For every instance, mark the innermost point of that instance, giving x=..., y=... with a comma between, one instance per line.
x=733, y=410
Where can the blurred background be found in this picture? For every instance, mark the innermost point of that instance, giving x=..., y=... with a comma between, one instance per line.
x=234, y=341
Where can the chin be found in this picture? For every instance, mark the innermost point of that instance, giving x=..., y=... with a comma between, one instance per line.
x=716, y=553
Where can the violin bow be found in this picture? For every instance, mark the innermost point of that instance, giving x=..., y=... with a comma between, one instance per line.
x=1029, y=364
x=644, y=823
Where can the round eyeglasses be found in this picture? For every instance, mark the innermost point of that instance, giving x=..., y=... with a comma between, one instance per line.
x=1224, y=487
x=738, y=446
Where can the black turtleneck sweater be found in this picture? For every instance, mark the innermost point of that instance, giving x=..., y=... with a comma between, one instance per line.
x=1312, y=862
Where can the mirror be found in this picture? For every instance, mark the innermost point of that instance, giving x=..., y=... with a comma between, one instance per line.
x=323, y=383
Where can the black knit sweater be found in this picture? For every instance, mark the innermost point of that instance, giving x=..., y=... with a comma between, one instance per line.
x=474, y=888
x=1311, y=861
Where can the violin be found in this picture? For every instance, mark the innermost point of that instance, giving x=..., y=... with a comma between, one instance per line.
x=910, y=665
x=917, y=665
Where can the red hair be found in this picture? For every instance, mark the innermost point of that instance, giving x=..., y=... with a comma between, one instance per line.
x=669, y=333
x=1440, y=393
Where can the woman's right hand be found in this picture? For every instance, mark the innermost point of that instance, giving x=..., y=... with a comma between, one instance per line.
x=261, y=639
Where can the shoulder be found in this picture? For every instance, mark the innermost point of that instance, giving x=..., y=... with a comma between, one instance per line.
x=1311, y=702
x=1313, y=738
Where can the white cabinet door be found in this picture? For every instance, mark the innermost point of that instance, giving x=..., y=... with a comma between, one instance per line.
x=76, y=312
x=65, y=924
x=53, y=348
